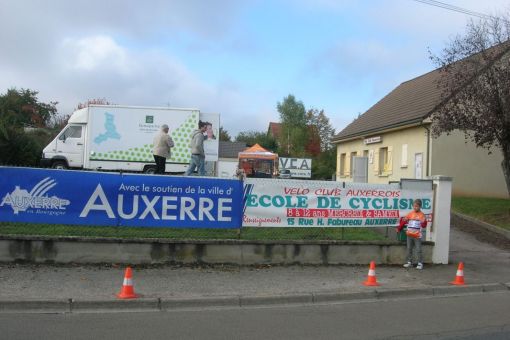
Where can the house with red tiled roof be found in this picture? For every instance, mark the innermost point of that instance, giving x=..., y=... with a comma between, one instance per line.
x=395, y=141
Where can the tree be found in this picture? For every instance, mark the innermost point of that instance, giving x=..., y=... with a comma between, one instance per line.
x=253, y=137
x=294, y=135
x=324, y=165
x=21, y=108
x=475, y=87
x=224, y=135
x=19, y=111
x=322, y=126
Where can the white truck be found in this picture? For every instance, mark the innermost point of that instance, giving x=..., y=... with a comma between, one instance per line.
x=119, y=138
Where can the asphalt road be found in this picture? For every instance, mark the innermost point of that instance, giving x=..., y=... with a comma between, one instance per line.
x=482, y=316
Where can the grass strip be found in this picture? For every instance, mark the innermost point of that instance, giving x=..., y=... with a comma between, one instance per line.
x=495, y=211
x=248, y=233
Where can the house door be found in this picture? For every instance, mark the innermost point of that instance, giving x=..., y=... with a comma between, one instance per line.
x=360, y=169
x=418, y=165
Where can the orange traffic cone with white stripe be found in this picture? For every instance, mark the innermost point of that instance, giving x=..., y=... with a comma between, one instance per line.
x=459, y=277
x=371, y=279
x=127, y=291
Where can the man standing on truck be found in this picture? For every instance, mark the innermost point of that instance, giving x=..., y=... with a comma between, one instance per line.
x=162, y=145
x=197, y=150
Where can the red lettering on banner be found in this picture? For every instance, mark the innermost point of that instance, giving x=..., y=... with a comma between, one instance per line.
x=296, y=191
x=328, y=192
x=373, y=193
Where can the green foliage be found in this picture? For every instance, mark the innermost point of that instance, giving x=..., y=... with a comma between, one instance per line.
x=20, y=110
x=324, y=165
x=250, y=233
x=19, y=148
x=253, y=137
x=495, y=211
x=224, y=135
x=292, y=112
x=322, y=127
x=294, y=133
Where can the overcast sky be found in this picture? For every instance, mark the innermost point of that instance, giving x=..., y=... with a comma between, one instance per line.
x=237, y=58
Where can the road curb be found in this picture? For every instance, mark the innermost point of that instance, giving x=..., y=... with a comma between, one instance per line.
x=209, y=301
x=325, y=297
x=143, y=304
x=284, y=299
x=36, y=306
x=401, y=293
x=169, y=304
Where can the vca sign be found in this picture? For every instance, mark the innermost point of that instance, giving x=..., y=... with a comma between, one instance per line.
x=299, y=167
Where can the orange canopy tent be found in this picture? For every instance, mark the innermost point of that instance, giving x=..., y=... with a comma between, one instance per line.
x=257, y=152
x=258, y=162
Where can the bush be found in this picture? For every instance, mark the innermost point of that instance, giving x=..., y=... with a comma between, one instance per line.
x=20, y=148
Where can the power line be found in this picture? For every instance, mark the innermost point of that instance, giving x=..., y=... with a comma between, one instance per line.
x=455, y=8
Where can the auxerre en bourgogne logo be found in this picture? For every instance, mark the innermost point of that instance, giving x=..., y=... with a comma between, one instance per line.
x=36, y=200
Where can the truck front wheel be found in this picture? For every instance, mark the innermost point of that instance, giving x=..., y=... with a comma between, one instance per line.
x=61, y=165
x=149, y=169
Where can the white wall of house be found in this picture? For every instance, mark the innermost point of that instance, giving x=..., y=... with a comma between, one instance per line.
x=399, y=149
x=474, y=171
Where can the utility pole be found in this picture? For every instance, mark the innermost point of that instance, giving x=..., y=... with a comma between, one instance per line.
x=288, y=142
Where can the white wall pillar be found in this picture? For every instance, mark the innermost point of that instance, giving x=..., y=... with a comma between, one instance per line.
x=440, y=229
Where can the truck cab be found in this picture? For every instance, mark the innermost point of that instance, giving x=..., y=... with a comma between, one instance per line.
x=67, y=149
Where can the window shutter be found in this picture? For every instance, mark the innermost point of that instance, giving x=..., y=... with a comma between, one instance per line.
x=403, y=163
x=376, y=161
x=347, y=165
x=389, y=164
x=338, y=163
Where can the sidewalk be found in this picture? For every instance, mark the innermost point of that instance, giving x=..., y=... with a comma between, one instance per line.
x=484, y=264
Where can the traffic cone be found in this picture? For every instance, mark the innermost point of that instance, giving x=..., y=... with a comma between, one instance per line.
x=127, y=291
x=459, y=277
x=371, y=279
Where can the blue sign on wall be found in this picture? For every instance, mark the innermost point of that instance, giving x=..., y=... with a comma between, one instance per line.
x=108, y=199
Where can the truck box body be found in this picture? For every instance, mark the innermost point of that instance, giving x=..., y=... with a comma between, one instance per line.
x=106, y=137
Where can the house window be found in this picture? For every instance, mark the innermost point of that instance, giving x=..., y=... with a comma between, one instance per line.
x=342, y=164
x=353, y=154
x=365, y=153
x=383, y=160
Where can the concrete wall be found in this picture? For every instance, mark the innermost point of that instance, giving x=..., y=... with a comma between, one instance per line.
x=474, y=171
x=77, y=250
x=414, y=137
x=227, y=167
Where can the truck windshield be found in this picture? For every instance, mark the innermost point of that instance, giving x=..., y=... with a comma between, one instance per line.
x=71, y=132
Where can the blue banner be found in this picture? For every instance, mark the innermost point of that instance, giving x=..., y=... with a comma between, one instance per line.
x=112, y=199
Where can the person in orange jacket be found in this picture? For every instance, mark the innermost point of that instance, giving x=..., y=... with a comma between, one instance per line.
x=415, y=222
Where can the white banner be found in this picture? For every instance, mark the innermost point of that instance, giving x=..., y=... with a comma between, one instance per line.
x=299, y=167
x=294, y=203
